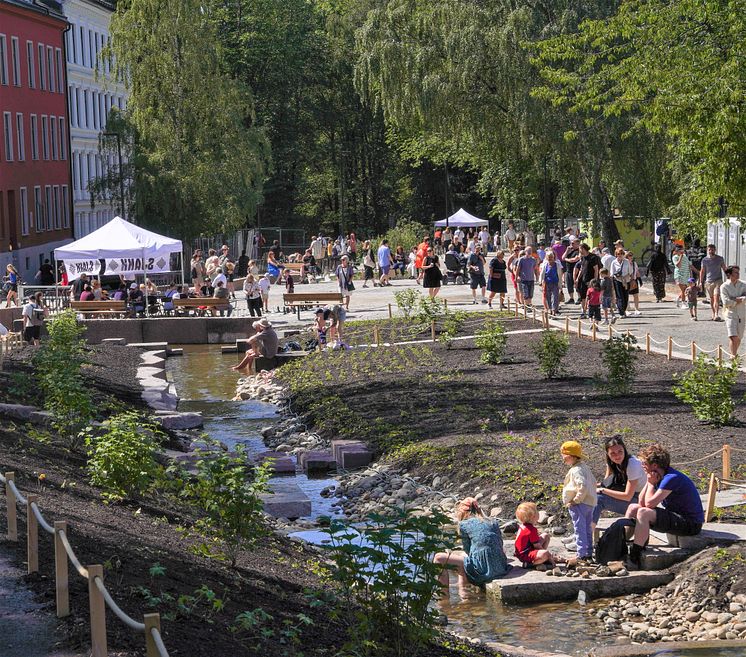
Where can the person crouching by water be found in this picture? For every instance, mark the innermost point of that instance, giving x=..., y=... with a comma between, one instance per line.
x=483, y=559
x=263, y=343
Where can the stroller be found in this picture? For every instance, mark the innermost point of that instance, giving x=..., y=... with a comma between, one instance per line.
x=455, y=270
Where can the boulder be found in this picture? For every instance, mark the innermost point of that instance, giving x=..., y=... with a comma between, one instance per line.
x=179, y=421
x=17, y=411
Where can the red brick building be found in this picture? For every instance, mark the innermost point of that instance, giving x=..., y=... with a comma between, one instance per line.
x=35, y=174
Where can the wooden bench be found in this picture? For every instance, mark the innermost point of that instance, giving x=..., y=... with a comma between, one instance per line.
x=300, y=300
x=295, y=268
x=198, y=302
x=99, y=307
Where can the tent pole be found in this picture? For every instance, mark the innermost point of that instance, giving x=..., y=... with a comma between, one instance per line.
x=56, y=284
x=145, y=281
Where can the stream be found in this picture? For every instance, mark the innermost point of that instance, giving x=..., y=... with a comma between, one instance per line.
x=205, y=383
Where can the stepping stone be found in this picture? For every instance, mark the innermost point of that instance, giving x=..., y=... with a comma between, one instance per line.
x=337, y=444
x=314, y=461
x=176, y=352
x=147, y=371
x=281, y=462
x=150, y=345
x=352, y=457
x=228, y=349
x=179, y=421
x=152, y=358
x=287, y=500
x=121, y=341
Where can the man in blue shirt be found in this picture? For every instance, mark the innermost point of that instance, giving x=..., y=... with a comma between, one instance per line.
x=384, y=262
x=669, y=503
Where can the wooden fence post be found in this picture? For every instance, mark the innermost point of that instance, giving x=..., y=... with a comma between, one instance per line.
x=516, y=309
x=694, y=352
x=647, y=343
x=432, y=330
x=10, y=501
x=611, y=331
x=580, y=329
x=507, y=306
x=593, y=331
x=98, y=612
x=525, y=310
x=445, y=306
x=726, y=461
x=61, y=584
x=377, y=335
x=720, y=355
x=533, y=312
x=711, y=492
x=32, y=536
x=151, y=621
x=670, y=348
x=390, y=313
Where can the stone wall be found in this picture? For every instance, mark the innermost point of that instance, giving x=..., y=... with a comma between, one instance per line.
x=174, y=330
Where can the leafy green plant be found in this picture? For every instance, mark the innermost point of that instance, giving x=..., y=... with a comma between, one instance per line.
x=121, y=456
x=619, y=357
x=708, y=389
x=407, y=300
x=551, y=348
x=228, y=489
x=491, y=339
x=58, y=364
x=429, y=309
x=387, y=579
x=452, y=324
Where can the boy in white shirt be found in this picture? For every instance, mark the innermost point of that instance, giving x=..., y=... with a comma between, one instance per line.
x=265, y=284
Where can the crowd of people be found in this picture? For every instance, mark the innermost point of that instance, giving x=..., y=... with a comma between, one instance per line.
x=645, y=489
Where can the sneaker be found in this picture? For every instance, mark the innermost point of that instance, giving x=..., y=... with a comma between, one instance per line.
x=583, y=316
x=637, y=313
x=568, y=539
x=484, y=300
x=694, y=319
x=489, y=305
x=474, y=303
x=571, y=547
x=678, y=303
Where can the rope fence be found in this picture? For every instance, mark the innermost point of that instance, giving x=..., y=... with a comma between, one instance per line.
x=98, y=594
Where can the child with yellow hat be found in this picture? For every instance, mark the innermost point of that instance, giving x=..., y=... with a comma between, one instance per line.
x=579, y=496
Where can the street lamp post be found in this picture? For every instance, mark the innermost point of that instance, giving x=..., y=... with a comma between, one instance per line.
x=121, y=174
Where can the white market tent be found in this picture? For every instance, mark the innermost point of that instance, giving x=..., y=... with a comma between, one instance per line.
x=464, y=219
x=119, y=239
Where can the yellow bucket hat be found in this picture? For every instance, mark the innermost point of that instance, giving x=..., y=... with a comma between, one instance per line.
x=572, y=448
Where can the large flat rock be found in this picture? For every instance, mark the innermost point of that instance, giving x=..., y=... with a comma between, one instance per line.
x=287, y=500
x=523, y=586
x=17, y=411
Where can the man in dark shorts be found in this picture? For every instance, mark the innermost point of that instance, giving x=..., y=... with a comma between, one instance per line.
x=590, y=265
x=475, y=265
x=680, y=512
x=33, y=319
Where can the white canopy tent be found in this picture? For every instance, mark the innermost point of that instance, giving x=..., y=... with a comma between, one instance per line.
x=462, y=218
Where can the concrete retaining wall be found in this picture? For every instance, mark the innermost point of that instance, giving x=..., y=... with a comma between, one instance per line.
x=174, y=330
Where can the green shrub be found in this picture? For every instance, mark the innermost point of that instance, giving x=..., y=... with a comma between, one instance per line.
x=58, y=364
x=491, y=339
x=228, y=489
x=551, y=348
x=121, y=456
x=452, y=324
x=388, y=580
x=407, y=300
x=408, y=233
x=708, y=388
x=619, y=357
x=429, y=310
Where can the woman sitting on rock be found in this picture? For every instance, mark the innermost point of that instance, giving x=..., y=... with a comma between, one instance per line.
x=483, y=559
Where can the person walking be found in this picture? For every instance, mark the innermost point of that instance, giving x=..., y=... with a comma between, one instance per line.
x=253, y=295
x=590, y=266
x=432, y=275
x=733, y=293
x=385, y=262
x=11, y=284
x=526, y=272
x=345, y=273
x=634, y=284
x=475, y=265
x=658, y=268
x=569, y=259
x=621, y=273
x=711, y=278
x=682, y=272
x=497, y=282
x=549, y=278
x=369, y=264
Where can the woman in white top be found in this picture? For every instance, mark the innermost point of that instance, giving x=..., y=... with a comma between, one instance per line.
x=621, y=273
x=634, y=285
x=623, y=482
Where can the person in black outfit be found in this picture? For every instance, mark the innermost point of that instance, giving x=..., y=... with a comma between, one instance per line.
x=45, y=275
x=432, y=275
x=658, y=267
x=242, y=266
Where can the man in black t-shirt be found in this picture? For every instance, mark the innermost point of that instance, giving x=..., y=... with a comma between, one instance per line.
x=590, y=265
x=45, y=275
x=475, y=265
x=79, y=285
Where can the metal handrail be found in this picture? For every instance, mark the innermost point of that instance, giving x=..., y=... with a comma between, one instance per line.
x=130, y=622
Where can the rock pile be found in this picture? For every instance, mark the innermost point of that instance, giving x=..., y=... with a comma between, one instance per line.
x=260, y=387
x=290, y=436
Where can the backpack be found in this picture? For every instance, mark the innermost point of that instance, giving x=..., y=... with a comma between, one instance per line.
x=612, y=546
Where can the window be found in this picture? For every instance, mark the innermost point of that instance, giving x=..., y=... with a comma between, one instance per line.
x=60, y=75
x=8, y=130
x=85, y=103
x=34, y=137
x=79, y=108
x=72, y=53
x=38, y=209
x=91, y=50
x=50, y=68
x=63, y=142
x=57, y=216
x=3, y=59
x=76, y=181
x=94, y=108
x=42, y=72
x=53, y=126
x=16, y=55
x=48, y=206
x=45, y=137
x=20, y=138
x=65, y=207
x=24, y=211
x=73, y=108
x=30, y=64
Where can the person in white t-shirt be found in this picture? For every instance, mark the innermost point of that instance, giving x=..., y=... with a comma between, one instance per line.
x=459, y=234
x=606, y=258
x=484, y=238
x=511, y=235
x=265, y=283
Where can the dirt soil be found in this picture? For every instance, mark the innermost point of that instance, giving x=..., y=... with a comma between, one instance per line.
x=441, y=412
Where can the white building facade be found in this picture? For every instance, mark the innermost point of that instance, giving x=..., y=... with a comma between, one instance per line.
x=92, y=93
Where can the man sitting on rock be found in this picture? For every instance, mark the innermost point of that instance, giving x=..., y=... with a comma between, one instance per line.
x=680, y=512
x=264, y=342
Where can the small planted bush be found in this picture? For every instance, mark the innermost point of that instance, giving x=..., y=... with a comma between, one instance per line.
x=619, y=357
x=121, y=456
x=708, y=389
x=491, y=339
x=407, y=300
x=452, y=324
x=551, y=349
x=429, y=309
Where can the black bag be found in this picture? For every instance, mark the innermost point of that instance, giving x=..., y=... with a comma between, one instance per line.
x=612, y=546
x=350, y=286
x=612, y=484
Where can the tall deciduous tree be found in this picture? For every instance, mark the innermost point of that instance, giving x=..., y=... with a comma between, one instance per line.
x=201, y=159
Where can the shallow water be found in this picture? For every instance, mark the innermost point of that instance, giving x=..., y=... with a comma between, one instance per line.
x=205, y=383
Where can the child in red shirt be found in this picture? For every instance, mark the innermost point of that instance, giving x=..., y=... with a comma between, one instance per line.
x=594, y=300
x=530, y=546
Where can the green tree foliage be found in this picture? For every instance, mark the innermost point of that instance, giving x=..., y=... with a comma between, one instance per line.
x=201, y=159
x=675, y=69
x=58, y=365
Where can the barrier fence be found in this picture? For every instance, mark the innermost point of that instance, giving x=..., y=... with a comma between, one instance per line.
x=98, y=595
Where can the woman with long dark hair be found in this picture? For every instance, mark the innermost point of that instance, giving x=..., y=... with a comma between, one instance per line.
x=659, y=269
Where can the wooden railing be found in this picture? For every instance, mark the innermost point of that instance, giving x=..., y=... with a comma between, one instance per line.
x=99, y=597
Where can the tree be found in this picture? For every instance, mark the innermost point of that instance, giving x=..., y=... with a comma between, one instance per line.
x=673, y=69
x=200, y=157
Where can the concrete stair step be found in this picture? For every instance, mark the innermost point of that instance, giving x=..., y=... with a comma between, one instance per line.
x=282, y=464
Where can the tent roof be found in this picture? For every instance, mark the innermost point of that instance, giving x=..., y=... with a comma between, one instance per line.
x=463, y=218
x=118, y=239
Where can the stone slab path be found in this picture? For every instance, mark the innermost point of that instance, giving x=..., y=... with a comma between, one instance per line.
x=27, y=628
